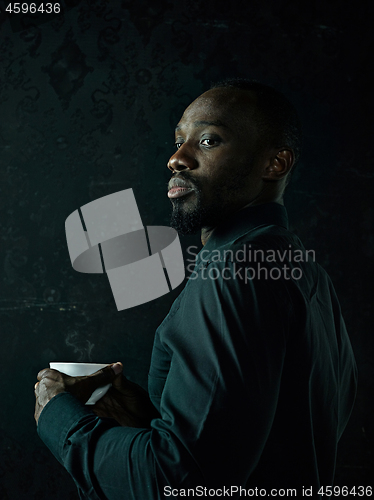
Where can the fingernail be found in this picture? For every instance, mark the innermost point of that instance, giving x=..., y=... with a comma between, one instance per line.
x=117, y=368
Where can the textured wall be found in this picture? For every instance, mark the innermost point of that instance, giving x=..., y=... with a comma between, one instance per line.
x=88, y=103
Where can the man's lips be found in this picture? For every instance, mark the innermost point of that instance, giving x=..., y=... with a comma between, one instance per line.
x=179, y=187
x=177, y=192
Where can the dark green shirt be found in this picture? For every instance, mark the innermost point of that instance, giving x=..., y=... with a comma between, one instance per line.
x=252, y=372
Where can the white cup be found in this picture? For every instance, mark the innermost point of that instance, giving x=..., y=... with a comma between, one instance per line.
x=82, y=369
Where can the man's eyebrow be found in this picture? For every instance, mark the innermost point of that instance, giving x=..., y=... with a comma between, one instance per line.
x=199, y=123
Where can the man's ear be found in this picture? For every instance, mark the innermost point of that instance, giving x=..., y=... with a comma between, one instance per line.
x=279, y=165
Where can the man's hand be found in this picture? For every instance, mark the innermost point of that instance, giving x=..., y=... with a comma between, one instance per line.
x=52, y=382
x=127, y=403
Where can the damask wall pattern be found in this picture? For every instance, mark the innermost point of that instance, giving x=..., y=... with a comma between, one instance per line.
x=89, y=99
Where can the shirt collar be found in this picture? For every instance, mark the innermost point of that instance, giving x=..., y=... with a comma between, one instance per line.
x=243, y=221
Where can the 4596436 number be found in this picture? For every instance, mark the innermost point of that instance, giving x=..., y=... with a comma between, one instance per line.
x=32, y=8
x=344, y=491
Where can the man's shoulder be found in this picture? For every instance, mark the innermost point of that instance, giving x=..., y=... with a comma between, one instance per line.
x=262, y=239
x=269, y=253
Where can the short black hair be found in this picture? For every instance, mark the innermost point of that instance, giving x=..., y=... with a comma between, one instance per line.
x=276, y=117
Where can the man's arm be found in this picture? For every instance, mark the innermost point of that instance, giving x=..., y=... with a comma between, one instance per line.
x=52, y=382
x=219, y=397
x=125, y=402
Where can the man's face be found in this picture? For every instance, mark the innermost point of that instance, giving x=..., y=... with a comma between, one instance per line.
x=214, y=167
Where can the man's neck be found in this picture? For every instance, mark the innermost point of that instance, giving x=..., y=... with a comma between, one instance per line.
x=206, y=232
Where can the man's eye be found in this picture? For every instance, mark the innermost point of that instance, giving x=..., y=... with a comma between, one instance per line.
x=178, y=144
x=209, y=142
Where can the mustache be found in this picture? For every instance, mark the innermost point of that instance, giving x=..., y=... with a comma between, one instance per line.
x=184, y=177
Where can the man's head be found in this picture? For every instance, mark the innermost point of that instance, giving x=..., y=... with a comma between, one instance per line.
x=236, y=146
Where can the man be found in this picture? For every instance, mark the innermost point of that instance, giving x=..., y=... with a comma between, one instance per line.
x=252, y=378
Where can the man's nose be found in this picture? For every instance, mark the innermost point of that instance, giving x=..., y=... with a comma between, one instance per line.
x=182, y=159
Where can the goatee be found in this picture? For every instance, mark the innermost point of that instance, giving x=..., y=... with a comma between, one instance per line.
x=187, y=221
x=190, y=217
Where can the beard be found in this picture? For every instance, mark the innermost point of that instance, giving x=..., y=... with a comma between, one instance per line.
x=189, y=219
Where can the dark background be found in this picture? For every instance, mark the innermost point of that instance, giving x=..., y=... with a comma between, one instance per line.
x=88, y=103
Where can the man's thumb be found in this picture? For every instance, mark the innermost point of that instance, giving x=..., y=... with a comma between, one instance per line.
x=117, y=368
x=105, y=376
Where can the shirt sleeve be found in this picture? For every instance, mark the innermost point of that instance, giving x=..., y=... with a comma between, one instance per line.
x=227, y=345
x=102, y=457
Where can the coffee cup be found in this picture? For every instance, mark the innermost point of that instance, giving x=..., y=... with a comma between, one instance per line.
x=82, y=369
